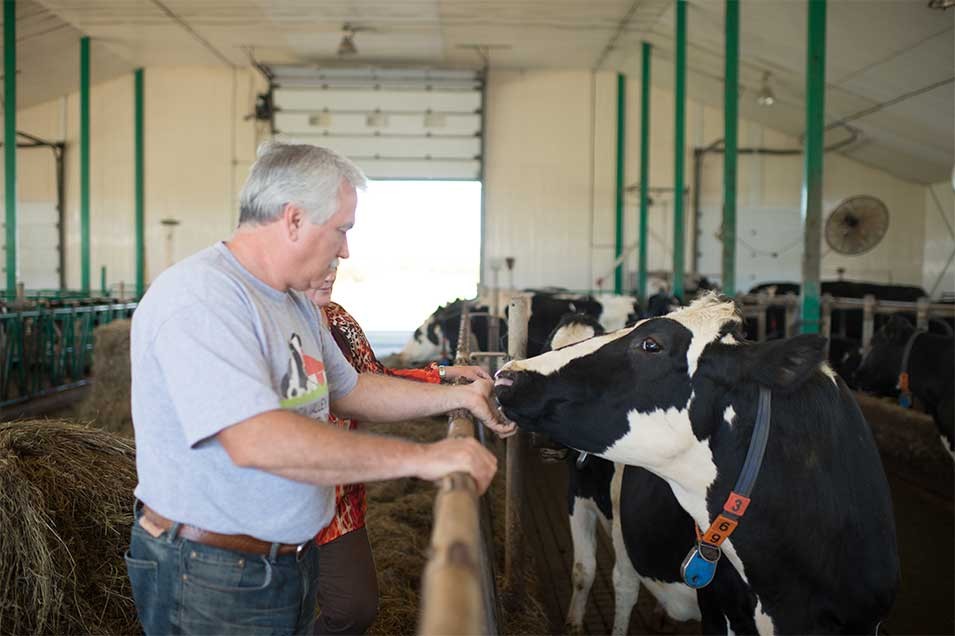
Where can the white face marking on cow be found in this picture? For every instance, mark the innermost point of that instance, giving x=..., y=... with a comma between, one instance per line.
x=729, y=339
x=547, y=363
x=616, y=310
x=705, y=318
x=729, y=415
x=571, y=334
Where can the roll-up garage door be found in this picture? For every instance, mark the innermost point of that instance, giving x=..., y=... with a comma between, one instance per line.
x=394, y=123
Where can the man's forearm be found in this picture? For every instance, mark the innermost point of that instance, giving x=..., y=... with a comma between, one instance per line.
x=379, y=398
x=293, y=446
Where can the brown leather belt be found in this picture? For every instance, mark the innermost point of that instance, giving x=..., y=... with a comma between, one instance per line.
x=235, y=542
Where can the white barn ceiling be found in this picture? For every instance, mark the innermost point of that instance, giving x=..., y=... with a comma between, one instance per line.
x=890, y=63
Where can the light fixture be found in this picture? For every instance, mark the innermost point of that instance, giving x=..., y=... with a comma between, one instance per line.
x=765, y=97
x=347, y=45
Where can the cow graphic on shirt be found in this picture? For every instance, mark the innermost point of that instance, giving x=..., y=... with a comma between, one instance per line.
x=305, y=378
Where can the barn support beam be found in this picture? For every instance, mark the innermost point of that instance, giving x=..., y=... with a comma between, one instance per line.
x=621, y=150
x=85, y=164
x=646, y=50
x=10, y=137
x=139, y=185
x=679, y=149
x=730, y=135
x=812, y=173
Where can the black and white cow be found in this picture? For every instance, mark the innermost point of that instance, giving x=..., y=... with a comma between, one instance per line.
x=930, y=367
x=816, y=551
x=641, y=554
x=438, y=335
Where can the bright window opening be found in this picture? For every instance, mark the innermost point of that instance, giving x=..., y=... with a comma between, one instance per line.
x=415, y=246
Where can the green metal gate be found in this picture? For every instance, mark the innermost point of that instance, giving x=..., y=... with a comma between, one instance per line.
x=44, y=351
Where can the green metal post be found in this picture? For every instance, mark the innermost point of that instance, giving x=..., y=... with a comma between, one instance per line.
x=85, y=164
x=812, y=173
x=621, y=145
x=10, y=139
x=139, y=169
x=730, y=135
x=644, y=171
x=679, y=125
x=102, y=280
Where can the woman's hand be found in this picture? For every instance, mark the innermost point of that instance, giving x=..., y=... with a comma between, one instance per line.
x=466, y=372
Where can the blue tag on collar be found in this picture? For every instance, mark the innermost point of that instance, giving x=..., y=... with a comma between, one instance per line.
x=697, y=569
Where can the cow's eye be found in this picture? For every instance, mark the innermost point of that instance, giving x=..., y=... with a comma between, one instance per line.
x=650, y=345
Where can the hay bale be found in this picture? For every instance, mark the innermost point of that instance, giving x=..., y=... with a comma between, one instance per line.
x=66, y=494
x=108, y=404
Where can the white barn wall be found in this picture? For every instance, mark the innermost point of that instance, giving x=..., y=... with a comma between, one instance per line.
x=550, y=171
x=538, y=177
x=539, y=143
x=198, y=149
x=939, y=270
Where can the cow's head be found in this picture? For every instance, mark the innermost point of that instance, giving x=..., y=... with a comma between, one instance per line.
x=647, y=393
x=880, y=367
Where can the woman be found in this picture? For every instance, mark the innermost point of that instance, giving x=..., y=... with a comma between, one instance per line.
x=348, y=585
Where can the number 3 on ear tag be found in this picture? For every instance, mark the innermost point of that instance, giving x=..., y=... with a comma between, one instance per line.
x=699, y=566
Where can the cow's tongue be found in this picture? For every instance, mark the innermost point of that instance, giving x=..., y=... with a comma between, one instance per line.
x=503, y=382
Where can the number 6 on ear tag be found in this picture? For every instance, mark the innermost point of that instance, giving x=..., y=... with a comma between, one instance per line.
x=699, y=566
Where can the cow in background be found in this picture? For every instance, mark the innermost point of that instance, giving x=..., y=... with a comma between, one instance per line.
x=437, y=337
x=816, y=550
x=930, y=370
x=594, y=495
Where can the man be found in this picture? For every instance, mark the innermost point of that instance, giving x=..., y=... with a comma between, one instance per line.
x=232, y=382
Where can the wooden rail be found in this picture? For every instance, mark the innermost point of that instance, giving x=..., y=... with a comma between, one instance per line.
x=458, y=593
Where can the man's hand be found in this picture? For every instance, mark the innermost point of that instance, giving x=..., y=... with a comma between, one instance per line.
x=466, y=372
x=478, y=399
x=458, y=455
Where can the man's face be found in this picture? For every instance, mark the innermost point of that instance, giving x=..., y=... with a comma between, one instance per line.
x=321, y=244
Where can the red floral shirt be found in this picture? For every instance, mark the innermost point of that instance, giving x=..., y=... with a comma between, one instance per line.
x=350, y=501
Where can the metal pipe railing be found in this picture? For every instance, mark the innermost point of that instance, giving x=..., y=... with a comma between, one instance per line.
x=756, y=305
x=45, y=350
x=514, y=543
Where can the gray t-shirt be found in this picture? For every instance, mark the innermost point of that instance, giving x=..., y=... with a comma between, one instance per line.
x=211, y=346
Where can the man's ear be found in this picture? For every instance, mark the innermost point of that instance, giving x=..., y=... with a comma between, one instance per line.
x=785, y=364
x=293, y=217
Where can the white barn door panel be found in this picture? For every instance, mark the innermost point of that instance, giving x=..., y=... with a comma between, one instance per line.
x=395, y=124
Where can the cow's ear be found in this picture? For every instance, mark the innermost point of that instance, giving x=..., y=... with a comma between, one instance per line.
x=785, y=364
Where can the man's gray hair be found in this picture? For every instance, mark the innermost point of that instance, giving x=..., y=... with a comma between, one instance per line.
x=302, y=174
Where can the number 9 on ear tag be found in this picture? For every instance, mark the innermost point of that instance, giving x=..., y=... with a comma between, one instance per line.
x=699, y=566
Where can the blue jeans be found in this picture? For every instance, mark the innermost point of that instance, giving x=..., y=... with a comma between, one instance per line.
x=183, y=587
